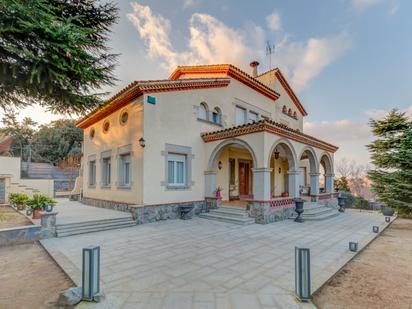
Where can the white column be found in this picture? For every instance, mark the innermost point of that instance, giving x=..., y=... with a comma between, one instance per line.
x=261, y=184
x=314, y=186
x=293, y=183
x=210, y=183
x=329, y=183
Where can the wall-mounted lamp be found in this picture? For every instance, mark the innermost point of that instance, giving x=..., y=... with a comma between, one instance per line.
x=276, y=154
x=142, y=142
x=220, y=165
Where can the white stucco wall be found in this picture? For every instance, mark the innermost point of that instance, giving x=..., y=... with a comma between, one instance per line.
x=118, y=136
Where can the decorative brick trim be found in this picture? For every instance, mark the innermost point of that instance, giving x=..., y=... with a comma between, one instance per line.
x=269, y=126
x=282, y=203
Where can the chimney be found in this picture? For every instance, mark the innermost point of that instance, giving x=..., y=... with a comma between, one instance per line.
x=254, y=65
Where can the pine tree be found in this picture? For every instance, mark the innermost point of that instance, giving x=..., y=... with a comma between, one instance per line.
x=53, y=52
x=391, y=154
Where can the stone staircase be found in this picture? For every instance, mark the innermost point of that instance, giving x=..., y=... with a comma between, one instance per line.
x=316, y=212
x=226, y=214
x=93, y=226
x=16, y=187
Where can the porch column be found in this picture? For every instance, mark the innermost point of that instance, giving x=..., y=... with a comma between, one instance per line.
x=329, y=183
x=210, y=183
x=293, y=183
x=314, y=186
x=261, y=184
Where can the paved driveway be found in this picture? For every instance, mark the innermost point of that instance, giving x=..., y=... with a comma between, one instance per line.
x=206, y=264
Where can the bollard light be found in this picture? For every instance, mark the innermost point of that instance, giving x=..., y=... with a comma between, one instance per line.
x=353, y=246
x=375, y=229
x=91, y=273
x=302, y=273
x=388, y=219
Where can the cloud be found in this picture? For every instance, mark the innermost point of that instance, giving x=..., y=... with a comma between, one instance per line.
x=360, y=5
x=188, y=3
x=306, y=60
x=351, y=137
x=212, y=41
x=273, y=21
x=381, y=113
x=394, y=9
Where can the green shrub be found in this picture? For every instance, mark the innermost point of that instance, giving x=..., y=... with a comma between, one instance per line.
x=18, y=198
x=361, y=203
x=350, y=199
x=39, y=201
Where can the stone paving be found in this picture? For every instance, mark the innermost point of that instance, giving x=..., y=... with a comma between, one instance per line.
x=208, y=264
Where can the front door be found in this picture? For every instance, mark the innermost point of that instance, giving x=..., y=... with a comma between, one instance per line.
x=2, y=191
x=244, y=168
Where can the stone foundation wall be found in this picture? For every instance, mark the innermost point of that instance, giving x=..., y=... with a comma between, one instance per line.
x=105, y=204
x=152, y=213
x=264, y=213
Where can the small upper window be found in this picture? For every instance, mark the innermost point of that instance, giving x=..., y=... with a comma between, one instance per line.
x=91, y=133
x=240, y=115
x=217, y=116
x=252, y=116
x=106, y=126
x=202, y=111
x=124, y=117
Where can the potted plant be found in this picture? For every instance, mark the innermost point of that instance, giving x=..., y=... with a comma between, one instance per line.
x=218, y=192
x=19, y=200
x=388, y=211
x=285, y=194
x=38, y=203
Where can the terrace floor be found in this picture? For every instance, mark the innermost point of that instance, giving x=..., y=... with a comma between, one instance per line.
x=208, y=264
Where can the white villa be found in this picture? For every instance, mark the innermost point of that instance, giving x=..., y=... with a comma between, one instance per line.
x=157, y=145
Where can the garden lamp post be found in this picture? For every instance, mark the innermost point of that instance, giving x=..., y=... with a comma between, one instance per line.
x=91, y=273
x=302, y=274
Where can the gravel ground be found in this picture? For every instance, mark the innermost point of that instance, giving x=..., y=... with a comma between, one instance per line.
x=29, y=278
x=11, y=218
x=379, y=277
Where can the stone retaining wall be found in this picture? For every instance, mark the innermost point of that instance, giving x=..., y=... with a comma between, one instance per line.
x=120, y=206
x=30, y=233
x=151, y=213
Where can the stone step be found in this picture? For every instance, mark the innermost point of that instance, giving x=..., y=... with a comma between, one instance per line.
x=229, y=212
x=93, y=229
x=92, y=222
x=318, y=214
x=227, y=219
x=69, y=229
x=318, y=211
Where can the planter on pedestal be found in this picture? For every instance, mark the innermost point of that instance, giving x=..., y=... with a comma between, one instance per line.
x=299, y=209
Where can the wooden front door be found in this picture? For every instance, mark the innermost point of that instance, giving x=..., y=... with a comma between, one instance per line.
x=244, y=168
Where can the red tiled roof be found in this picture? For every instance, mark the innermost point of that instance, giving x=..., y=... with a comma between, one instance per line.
x=5, y=143
x=271, y=127
x=228, y=70
x=137, y=88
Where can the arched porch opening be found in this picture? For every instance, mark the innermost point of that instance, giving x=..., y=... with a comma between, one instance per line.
x=326, y=163
x=230, y=169
x=308, y=176
x=283, y=163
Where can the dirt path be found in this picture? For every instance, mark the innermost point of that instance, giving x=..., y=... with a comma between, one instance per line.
x=379, y=277
x=29, y=278
x=11, y=218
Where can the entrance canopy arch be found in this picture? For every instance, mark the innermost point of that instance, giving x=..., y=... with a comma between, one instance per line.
x=214, y=157
x=285, y=149
x=309, y=153
x=327, y=163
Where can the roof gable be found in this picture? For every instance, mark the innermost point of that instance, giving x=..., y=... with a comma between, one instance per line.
x=282, y=80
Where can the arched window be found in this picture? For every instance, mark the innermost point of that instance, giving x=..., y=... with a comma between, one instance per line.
x=217, y=115
x=203, y=111
x=284, y=109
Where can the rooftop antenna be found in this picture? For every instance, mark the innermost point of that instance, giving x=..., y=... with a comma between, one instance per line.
x=270, y=50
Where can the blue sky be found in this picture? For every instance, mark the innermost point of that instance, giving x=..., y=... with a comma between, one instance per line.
x=348, y=60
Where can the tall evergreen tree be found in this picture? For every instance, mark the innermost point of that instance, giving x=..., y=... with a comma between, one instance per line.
x=54, y=52
x=391, y=154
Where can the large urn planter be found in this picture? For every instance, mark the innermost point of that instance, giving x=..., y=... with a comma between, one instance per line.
x=388, y=211
x=341, y=203
x=186, y=212
x=299, y=210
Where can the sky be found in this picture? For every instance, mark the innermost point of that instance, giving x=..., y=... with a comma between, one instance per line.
x=347, y=60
